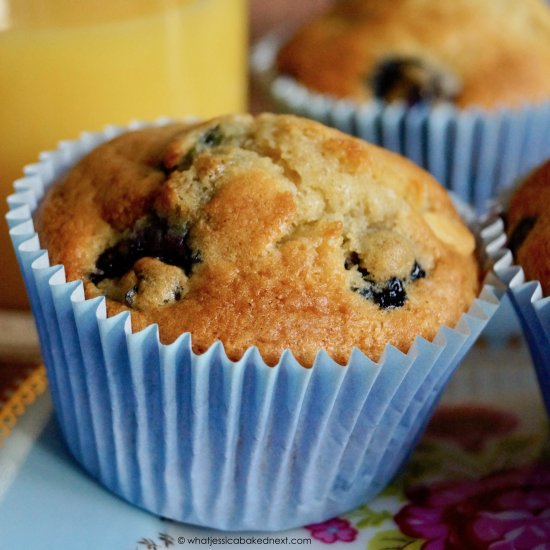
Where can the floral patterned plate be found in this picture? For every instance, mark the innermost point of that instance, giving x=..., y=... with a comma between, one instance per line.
x=480, y=479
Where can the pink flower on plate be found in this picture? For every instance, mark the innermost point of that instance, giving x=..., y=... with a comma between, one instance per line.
x=333, y=530
x=509, y=510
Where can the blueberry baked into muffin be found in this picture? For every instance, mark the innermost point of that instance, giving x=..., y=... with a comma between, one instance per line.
x=528, y=226
x=486, y=53
x=272, y=231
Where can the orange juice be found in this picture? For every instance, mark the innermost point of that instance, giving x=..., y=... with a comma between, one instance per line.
x=68, y=66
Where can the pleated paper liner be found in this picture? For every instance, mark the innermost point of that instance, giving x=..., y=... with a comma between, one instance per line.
x=532, y=308
x=208, y=441
x=473, y=152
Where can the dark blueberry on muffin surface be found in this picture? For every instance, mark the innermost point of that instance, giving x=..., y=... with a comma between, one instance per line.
x=388, y=293
x=153, y=238
x=392, y=294
x=412, y=80
x=520, y=232
x=212, y=137
x=417, y=272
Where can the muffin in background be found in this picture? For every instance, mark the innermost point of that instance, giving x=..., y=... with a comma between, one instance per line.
x=459, y=87
x=231, y=442
x=522, y=262
x=486, y=54
x=528, y=226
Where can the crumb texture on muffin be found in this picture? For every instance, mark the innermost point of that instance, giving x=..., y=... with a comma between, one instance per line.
x=528, y=226
x=485, y=53
x=272, y=231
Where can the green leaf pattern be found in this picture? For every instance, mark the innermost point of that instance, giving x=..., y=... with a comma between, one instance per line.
x=365, y=516
x=394, y=540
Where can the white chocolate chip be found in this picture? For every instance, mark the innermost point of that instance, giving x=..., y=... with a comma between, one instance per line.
x=452, y=232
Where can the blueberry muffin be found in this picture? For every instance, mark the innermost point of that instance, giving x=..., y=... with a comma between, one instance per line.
x=272, y=231
x=487, y=53
x=528, y=226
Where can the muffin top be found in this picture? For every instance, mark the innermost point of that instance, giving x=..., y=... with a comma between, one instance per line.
x=272, y=231
x=528, y=226
x=473, y=52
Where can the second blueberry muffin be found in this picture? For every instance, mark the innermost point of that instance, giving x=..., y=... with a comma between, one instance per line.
x=272, y=231
x=487, y=54
x=528, y=220
x=522, y=262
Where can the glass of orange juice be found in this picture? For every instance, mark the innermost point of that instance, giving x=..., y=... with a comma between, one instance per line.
x=68, y=66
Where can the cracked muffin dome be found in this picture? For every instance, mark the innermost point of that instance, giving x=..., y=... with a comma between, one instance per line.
x=272, y=231
x=485, y=53
x=528, y=226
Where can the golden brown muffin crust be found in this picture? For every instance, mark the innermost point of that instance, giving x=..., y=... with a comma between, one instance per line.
x=486, y=53
x=272, y=231
x=528, y=221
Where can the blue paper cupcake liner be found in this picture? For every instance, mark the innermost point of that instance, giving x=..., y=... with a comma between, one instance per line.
x=473, y=152
x=532, y=308
x=209, y=441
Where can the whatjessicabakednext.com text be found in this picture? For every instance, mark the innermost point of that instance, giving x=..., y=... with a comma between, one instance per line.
x=244, y=541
